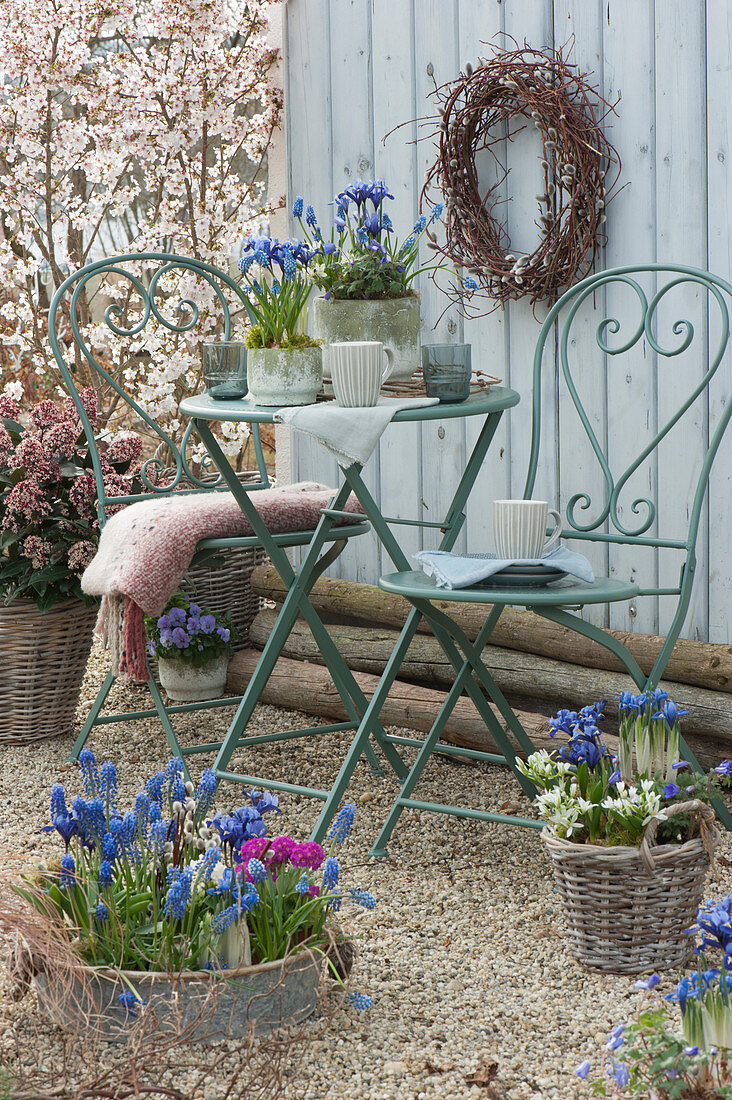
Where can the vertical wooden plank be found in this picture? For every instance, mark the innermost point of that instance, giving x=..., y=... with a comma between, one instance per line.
x=719, y=207
x=443, y=443
x=579, y=470
x=479, y=34
x=307, y=82
x=631, y=378
x=532, y=24
x=681, y=218
x=352, y=159
x=395, y=161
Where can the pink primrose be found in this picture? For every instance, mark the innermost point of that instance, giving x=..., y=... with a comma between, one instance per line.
x=309, y=854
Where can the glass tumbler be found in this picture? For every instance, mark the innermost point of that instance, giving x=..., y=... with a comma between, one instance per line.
x=447, y=371
x=225, y=369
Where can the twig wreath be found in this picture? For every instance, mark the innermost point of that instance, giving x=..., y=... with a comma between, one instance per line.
x=479, y=110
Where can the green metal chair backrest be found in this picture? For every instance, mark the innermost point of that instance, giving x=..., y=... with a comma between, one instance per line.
x=141, y=288
x=602, y=520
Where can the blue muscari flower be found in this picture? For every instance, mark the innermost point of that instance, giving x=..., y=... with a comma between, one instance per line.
x=257, y=870
x=408, y=245
x=109, y=847
x=203, y=867
x=275, y=290
x=108, y=785
x=359, y=1001
x=90, y=773
x=362, y=235
x=155, y=812
x=386, y=221
x=101, y=912
x=222, y=920
x=68, y=870
x=436, y=212
x=256, y=287
x=92, y=820
x=157, y=838
x=330, y=873
x=58, y=801
x=106, y=873
x=245, y=263
x=343, y=823
x=362, y=897
x=420, y=224
x=262, y=258
x=205, y=792
x=132, y=1003
x=302, y=885
x=310, y=217
x=583, y=1069
x=289, y=264
x=177, y=791
x=173, y=770
x=297, y=207
x=335, y=902
x=469, y=283
x=179, y=892
x=154, y=787
x=142, y=812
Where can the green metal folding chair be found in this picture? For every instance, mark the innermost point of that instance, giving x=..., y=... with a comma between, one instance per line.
x=587, y=521
x=149, y=298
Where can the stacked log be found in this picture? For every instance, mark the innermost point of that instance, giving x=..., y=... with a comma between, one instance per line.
x=529, y=657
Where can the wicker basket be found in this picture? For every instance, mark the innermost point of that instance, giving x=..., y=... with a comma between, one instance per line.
x=627, y=908
x=225, y=588
x=43, y=657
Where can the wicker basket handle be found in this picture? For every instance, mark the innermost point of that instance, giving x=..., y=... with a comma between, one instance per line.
x=705, y=813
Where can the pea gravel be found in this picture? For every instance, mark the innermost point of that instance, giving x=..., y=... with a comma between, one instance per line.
x=464, y=955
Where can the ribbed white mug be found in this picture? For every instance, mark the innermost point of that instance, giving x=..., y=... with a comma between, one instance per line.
x=357, y=370
x=519, y=528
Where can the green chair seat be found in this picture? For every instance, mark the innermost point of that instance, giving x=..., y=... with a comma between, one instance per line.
x=417, y=585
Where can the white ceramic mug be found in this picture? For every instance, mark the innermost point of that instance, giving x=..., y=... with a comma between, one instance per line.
x=519, y=528
x=358, y=369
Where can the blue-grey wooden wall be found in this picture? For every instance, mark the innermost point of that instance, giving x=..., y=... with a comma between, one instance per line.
x=357, y=68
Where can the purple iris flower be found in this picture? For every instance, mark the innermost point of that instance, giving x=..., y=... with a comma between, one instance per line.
x=650, y=983
x=372, y=225
x=65, y=824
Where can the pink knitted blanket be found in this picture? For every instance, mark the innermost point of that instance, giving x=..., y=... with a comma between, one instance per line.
x=146, y=548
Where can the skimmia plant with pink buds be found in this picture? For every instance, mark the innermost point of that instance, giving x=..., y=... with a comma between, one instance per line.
x=586, y=796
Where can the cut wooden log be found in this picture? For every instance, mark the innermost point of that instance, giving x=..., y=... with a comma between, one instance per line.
x=300, y=685
x=703, y=664
x=367, y=649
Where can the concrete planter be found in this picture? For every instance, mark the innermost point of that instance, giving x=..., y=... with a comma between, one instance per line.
x=186, y=684
x=278, y=376
x=213, y=1006
x=394, y=322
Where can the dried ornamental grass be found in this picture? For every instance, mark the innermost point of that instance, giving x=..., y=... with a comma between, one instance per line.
x=478, y=110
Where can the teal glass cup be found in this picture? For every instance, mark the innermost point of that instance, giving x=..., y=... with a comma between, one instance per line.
x=225, y=369
x=447, y=371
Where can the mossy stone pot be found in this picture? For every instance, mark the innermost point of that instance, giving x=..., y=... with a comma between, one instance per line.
x=394, y=322
x=187, y=684
x=208, y=1006
x=279, y=376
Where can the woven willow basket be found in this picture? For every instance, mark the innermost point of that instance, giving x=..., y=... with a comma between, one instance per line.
x=226, y=588
x=627, y=908
x=43, y=657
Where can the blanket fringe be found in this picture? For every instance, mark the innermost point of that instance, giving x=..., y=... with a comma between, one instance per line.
x=133, y=662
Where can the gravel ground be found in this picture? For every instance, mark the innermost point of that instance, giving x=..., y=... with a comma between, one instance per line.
x=464, y=954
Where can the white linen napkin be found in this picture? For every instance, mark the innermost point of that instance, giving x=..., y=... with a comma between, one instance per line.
x=350, y=434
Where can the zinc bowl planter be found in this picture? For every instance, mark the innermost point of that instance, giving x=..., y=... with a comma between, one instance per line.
x=187, y=684
x=210, y=1006
x=283, y=376
x=627, y=909
x=394, y=322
